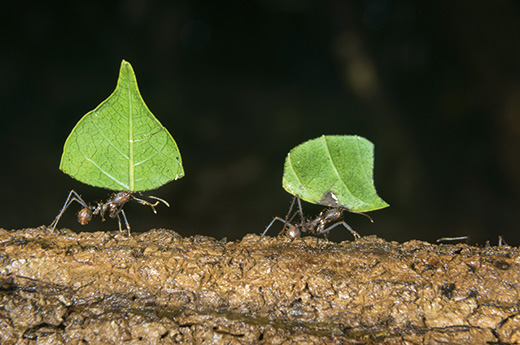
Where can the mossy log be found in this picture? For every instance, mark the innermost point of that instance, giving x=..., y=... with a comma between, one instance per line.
x=160, y=288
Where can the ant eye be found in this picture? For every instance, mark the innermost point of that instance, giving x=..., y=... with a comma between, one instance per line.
x=84, y=216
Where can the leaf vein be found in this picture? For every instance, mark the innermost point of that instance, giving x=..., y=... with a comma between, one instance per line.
x=295, y=174
x=336, y=170
x=106, y=138
x=130, y=137
x=104, y=172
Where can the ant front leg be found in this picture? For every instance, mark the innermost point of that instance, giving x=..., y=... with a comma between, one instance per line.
x=73, y=196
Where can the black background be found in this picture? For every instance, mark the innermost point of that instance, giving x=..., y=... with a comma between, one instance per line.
x=434, y=85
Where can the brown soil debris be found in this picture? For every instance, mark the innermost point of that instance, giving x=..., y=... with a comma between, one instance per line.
x=159, y=288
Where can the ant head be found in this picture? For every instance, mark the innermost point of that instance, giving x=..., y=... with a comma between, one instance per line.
x=294, y=232
x=84, y=215
x=121, y=198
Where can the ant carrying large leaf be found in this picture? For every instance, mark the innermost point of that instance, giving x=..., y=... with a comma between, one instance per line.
x=120, y=145
x=333, y=171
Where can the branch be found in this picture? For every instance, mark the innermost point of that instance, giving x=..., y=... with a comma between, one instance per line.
x=106, y=287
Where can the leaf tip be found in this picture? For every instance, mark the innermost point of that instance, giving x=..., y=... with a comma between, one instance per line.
x=126, y=64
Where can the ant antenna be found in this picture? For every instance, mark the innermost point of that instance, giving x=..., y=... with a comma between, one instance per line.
x=161, y=200
x=147, y=203
x=363, y=214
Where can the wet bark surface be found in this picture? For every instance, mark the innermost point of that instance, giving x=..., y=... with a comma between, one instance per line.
x=159, y=288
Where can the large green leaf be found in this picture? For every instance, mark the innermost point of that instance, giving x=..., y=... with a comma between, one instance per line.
x=120, y=145
x=334, y=170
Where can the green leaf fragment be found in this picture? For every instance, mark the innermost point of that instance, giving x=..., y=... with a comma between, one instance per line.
x=335, y=171
x=120, y=145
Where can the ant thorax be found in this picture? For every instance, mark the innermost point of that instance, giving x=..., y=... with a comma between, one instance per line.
x=113, y=205
x=325, y=217
x=318, y=224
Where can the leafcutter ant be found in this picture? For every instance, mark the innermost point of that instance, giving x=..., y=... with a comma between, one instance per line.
x=321, y=224
x=113, y=206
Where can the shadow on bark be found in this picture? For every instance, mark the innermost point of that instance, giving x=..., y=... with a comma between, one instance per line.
x=159, y=288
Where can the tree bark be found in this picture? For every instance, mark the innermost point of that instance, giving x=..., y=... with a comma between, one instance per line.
x=159, y=288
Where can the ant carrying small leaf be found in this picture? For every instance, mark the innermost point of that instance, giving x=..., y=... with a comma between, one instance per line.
x=114, y=206
x=317, y=226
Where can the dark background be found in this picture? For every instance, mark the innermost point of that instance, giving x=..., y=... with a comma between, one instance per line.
x=434, y=85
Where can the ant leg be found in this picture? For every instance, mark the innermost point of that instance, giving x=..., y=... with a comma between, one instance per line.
x=272, y=222
x=300, y=208
x=126, y=222
x=119, y=223
x=354, y=233
x=73, y=196
x=147, y=203
x=287, y=219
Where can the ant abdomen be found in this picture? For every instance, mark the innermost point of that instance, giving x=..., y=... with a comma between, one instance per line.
x=294, y=232
x=84, y=216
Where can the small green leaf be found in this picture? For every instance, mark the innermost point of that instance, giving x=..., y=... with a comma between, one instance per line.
x=335, y=171
x=120, y=145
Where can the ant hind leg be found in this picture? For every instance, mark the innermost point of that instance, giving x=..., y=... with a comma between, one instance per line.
x=272, y=222
x=287, y=219
x=73, y=196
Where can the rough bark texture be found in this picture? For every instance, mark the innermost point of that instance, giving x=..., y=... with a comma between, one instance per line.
x=159, y=288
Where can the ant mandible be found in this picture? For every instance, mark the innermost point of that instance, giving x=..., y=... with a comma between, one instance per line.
x=315, y=226
x=114, y=206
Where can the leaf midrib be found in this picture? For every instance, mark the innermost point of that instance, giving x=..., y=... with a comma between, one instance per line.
x=336, y=170
x=130, y=136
